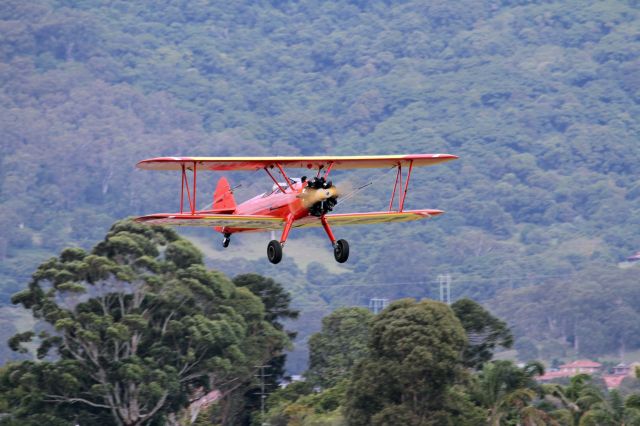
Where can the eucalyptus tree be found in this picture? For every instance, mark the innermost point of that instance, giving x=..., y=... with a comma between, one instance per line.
x=136, y=328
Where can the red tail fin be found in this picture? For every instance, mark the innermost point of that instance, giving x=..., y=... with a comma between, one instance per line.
x=223, y=201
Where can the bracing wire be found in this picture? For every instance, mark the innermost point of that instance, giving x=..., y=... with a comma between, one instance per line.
x=353, y=193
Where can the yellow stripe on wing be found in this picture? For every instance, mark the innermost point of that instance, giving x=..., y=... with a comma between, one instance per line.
x=206, y=220
x=371, y=218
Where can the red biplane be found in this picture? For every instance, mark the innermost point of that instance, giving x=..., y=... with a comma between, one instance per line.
x=294, y=203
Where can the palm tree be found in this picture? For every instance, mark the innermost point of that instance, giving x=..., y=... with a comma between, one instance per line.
x=585, y=405
x=508, y=392
x=575, y=398
x=613, y=411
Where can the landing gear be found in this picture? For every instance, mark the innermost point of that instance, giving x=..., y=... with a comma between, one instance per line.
x=340, y=247
x=226, y=240
x=274, y=251
x=341, y=251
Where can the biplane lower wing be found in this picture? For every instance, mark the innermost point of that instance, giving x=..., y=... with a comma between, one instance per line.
x=369, y=218
x=255, y=222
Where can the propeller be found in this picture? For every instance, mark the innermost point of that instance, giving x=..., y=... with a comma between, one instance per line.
x=320, y=196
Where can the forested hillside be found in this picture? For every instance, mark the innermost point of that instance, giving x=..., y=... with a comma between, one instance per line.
x=540, y=100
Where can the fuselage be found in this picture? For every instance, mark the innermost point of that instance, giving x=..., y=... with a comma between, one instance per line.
x=277, y=203
x=292, y=204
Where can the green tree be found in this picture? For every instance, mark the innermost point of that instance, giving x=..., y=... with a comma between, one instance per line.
x=613, y=411
x=583, y=403
x=276, y=302
x=484, y=332
x=508, y=392
x=339, y=345
x=415, y=359
x=574, y=399
x=138, y=325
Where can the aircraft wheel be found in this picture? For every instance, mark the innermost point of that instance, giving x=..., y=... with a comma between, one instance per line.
x=274, y=251
x=341, y=251
x=225, y=242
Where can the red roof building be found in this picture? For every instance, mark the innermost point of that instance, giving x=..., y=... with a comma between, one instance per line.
x=571, y=369
x=552, y=375
x=581, y=366
x=613, y=381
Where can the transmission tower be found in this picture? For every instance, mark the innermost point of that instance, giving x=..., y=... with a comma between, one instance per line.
x=377, y=305
x=263, y=390
x=444, y=281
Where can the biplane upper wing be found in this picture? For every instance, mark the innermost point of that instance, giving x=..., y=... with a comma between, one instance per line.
x=257, y=222
x=212, y=220
x=256, y=163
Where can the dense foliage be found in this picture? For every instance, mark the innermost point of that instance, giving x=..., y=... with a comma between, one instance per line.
x=415, y=357
x=137, y=328
x=416, y=372
x=339, y=345
x=485, y=333
x=539, y=98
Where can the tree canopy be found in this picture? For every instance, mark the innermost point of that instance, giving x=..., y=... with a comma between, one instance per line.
x=136, y=328
x=340, y=344
x=484, y=332
x=415, y=359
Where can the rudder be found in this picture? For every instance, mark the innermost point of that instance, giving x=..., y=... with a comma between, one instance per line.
x=223, y=200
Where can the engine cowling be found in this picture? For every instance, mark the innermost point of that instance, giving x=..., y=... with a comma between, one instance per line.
x=320, y=196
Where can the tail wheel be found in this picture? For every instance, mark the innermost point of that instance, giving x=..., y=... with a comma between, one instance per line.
x=274, y=251
x=341, y=251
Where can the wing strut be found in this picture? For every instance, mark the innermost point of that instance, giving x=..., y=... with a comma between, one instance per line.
x=393, y=194
x=406, y=186
x=185, y=184
x=398, y=185
x=284, y=175
x=326, y=174
x=274, y=180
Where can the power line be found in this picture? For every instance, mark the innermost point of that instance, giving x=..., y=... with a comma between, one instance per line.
x=429, y=282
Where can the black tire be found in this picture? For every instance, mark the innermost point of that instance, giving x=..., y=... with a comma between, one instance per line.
x=225, y=242
x=274, y=251
x=341, y=251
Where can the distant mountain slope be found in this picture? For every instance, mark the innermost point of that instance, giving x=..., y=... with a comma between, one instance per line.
x=539, y=99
